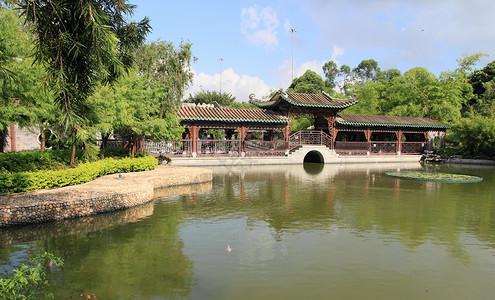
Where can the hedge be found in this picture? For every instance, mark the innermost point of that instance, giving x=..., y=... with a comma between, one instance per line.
x=29, y=181
x=29, y=161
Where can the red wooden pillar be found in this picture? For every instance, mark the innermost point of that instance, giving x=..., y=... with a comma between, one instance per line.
x=286, y=132
x=367, y=133
x=242, y=135
x=331, y=128
x=12, y=138
x=399, y=141
x=193, y=134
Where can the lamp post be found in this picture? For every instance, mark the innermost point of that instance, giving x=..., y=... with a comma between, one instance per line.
x=221, y=70
x=292, y=30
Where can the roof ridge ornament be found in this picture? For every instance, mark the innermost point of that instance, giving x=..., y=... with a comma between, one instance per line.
x=325, y=93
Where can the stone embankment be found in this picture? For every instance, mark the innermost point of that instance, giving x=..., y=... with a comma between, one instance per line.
x=104, y=194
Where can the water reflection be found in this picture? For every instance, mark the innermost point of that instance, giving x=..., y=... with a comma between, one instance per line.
x=356, y=197
x=313, y=168
x=339, y=231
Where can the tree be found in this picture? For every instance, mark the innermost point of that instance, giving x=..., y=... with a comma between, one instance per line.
x=212, y=97
x=331, y=71
x=387, y=75
x=367, y=70
x=479, y=77
x=370, y=99
x=138, y=113
x=78, y=44
x=345, y=70
x=144, y=103
x=475, y=135
x=24, y=100
x=419, y=94
x=309, y=82
x=13, y=47
x=167, y=70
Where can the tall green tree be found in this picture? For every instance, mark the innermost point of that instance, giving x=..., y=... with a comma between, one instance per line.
x=78, y=44
x=347, y=79
x=138, y=113
x=387, y=75
x=144, y=103
x=483, y=82
x=211, y=97
x=367, y=70
x=24, y=100
x=167, y=70
x=12, y=50
x=331, y=71
x=309, y=82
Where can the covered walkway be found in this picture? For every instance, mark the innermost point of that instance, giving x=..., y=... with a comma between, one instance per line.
x=215, y=131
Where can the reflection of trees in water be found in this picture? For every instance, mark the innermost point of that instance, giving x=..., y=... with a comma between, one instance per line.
x=407, y=211
x=115, y=256
x=131, y=261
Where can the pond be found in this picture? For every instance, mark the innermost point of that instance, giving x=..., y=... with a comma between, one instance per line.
x=308, y=231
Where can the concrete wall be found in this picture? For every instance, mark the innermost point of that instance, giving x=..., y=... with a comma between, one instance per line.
x=25, y=139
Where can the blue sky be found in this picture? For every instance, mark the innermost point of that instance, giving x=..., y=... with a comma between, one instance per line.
x=254, y=41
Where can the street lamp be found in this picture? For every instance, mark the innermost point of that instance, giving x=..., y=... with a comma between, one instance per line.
x=292, y=30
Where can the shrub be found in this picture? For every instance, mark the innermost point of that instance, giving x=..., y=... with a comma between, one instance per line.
x=28, y=281
x=35, y=160
x=29, y=161
x=29, y=181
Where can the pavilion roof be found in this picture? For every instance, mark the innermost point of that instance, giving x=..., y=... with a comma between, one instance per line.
x=322, y=100
x=388, y=121
x=191, y=112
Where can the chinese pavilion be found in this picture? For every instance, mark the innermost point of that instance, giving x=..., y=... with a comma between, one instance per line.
x=266, y=131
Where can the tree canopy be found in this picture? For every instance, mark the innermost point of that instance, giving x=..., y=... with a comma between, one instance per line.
x=309, y=82
x=81, y=43
x=211, y=97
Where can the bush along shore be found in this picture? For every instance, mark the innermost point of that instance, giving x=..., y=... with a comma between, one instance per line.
x=15, y=182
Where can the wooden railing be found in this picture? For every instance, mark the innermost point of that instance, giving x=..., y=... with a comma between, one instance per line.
x=266, y=148
x=309, y=137
x=169, y=148
x=280, y=148
x=384, y=147
x=352, y=148
x=378, y=148
x=413, y=147
x=219, y=148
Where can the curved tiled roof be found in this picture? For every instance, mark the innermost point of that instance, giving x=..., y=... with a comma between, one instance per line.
x=389, y=121
x=230, y=115
x=306, y=100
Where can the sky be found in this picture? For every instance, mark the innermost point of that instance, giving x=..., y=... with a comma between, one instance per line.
x=245, y=47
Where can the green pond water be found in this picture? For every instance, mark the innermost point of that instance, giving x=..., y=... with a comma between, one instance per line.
x=295, y=232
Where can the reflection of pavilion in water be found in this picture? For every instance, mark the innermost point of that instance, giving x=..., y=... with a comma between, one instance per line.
x=253, y=187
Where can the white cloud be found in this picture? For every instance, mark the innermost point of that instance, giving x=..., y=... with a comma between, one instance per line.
x=284, y=71
x=336, y=53
x=407, y=32
x=240, y=86
x=259, y=27
x=287, y=26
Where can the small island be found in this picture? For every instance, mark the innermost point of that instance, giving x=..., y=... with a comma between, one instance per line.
x=434, y=176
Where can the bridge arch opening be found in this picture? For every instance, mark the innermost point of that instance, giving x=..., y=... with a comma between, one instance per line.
x=314, y=157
